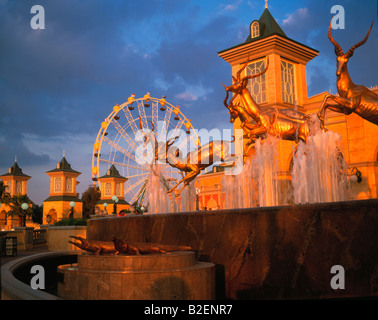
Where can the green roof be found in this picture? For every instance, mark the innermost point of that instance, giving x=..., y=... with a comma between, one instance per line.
x=15, y=170
x=112, y=172
x=63, y=198
x=63, y=165
x=110, y=201
x=268, y=26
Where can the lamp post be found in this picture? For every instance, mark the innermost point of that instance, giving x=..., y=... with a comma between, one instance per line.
x=142, y=209
x=115, y=200
x=198, y=191
x=355, y=175
x=24, y=207
x=105, y=205
x=72, y=205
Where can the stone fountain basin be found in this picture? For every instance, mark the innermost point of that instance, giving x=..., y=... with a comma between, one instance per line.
x=16, y=276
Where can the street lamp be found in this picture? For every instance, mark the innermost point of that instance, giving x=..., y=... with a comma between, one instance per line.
x=24, y=207
x=115, y=200
x=355, y=175
x=198, y=191
x=105, y=205
x=72, y=205
x=142, y=209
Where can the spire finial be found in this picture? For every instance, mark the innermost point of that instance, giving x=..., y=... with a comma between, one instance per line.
x=15, y=158
x=64, y=153
x=266, y=4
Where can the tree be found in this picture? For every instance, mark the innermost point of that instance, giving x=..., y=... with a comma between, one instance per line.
x=90, y=198
x=15, y=206
x=37, y=215
x=4, y=194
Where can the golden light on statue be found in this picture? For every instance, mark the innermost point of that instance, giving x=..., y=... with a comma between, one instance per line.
x=352, y=98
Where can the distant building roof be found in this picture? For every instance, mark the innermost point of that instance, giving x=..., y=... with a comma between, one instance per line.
x=63, y=165
x=15, y=170
x=63, y=198
x=112, y=172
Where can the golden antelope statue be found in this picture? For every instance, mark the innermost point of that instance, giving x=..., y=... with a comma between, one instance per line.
x=158, y=146
x=197, y=160
x=353, y=98
x=287, y=124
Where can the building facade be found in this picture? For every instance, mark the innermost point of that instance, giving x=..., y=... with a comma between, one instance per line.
x=112, y=184
x=15, y=184
x=284, y=86
x=63, y=196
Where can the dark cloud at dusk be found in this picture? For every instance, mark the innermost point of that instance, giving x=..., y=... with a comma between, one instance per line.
x=58, y=84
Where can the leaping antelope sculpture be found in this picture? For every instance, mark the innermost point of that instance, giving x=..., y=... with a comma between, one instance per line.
x=353, y=98
x=287, y=124
x=197, y=160
x=150, y=137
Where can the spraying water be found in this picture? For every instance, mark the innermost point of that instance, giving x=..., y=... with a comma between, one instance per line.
x=257, y=184
x=159, y=201
x=319, y=170
x=156, y=191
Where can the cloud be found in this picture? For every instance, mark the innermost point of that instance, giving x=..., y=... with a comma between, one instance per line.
x=57, y=85
x=293, y=19
x=186, y=96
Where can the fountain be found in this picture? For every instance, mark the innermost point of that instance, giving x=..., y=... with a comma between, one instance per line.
x=319, y=170
x=156, y=191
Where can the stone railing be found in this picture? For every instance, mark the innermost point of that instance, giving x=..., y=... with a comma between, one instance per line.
x=39, y=236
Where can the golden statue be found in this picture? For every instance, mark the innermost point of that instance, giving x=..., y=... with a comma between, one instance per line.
x=353, y=98
x=257, y=121
x=197, y=160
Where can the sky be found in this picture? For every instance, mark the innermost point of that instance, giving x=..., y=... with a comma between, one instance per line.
x=59, y=83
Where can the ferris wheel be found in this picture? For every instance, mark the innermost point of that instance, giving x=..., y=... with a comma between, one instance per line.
x=120, y=142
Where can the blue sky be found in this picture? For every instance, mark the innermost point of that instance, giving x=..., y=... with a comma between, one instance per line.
x=58, y=84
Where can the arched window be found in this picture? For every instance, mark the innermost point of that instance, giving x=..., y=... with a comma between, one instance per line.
x=287, y=78
x=108, y=189
x=118, y=189
x=256, y=86
x=68, y=184
x=18, y=187
x=255, y=29
x=57, y=185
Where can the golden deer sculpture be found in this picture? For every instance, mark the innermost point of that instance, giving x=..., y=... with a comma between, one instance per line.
x=287, y=124
x=194, y=162
x=197, y=160
x=352, y=97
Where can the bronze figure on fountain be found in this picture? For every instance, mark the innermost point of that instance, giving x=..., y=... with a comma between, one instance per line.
x=352, y=97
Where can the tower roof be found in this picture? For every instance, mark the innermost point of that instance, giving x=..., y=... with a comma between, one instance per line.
x=268, y=26
x=112, y=172
x=15, y=170
x=63, y=165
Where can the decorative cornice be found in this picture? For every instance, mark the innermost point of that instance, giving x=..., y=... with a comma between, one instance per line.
x=274, y=44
